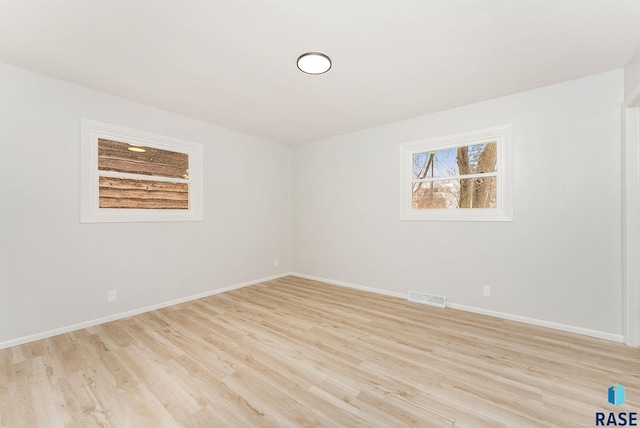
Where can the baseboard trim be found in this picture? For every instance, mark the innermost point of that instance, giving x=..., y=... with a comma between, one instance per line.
x=511, y=317
x=541, y=323
x=115, y=317
x=121, y=315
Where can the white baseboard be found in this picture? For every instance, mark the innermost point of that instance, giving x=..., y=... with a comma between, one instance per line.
x=511, y=317
x=91, y=323
x=541, y=323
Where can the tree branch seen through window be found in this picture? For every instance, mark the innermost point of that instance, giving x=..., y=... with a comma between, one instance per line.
x=461, y=177
x=450, y=178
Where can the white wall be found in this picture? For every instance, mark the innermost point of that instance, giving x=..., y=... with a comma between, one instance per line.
x=632, y=74
x=55, y=272
x=559, y=261
x=631, y=216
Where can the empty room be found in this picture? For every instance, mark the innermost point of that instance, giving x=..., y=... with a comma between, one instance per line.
x=325, y=214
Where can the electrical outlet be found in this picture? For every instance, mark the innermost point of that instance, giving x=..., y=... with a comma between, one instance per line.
x=275, y=262
x=112, y=296
x=486, y=291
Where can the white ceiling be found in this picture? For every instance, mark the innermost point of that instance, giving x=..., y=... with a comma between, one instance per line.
x=232, y=62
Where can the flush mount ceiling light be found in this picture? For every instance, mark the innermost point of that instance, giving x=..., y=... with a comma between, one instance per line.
x=314, y=63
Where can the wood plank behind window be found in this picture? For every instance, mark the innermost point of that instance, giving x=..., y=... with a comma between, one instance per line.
x=116, y=156
x=142, y=194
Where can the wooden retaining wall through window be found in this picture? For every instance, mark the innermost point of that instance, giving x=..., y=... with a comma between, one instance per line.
x=133, y=192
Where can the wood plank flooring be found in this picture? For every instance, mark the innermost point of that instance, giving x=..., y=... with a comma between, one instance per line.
x=299, y=353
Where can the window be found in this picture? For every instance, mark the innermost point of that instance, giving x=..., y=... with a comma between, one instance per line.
x=130, y=176
x=464, y=177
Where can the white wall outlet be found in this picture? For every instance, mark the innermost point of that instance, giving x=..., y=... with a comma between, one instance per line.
x=112, y=296
x=486, y=291
x=275, y=262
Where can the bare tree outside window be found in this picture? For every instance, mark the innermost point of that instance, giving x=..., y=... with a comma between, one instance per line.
x=459, y=177
x=455, y=177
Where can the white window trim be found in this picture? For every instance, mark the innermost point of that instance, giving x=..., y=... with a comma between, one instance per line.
x=90, y=212
x=503, y=212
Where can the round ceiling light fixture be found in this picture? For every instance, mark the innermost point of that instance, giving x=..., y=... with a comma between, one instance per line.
x=314, y=63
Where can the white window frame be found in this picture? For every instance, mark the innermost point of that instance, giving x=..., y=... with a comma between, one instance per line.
x=502, y=135
x=90, y=211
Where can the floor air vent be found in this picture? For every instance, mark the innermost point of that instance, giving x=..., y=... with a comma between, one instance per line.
x=427, y=299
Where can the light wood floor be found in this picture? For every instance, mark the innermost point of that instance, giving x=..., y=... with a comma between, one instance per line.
x=294, y=352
